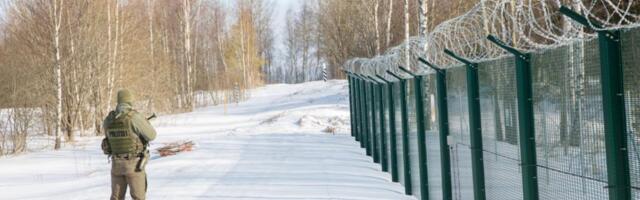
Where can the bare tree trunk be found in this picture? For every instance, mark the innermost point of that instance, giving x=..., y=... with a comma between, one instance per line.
x=388, y=30
x=78, y=100
x=423, y=8
x=423, y=19
x=152, y=54
x=112, y=61
x=407, y=35
x=56, y=16
x=109, y=69
x=514, y=24
x=188, y=57
x=485, y=21
x=95, y=91
x=377, y=25
x=242, y=54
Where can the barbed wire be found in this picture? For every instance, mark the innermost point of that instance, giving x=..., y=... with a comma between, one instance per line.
x=527, y=25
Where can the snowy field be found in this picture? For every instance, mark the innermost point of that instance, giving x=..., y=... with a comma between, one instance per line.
x=286, y=142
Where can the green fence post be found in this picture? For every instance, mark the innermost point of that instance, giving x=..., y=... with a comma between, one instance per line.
x=421, y=128
x=378, y=127
x=356, y=102
x=351, y=105
x=373, y=133
x=382, y=131
x=525, y=120
x=614, y=115
x=367, y=117
x=393, y=155
x=443, y=128
x=363, y=116
x=611, y=77
x=405, y=133
x=477, y=163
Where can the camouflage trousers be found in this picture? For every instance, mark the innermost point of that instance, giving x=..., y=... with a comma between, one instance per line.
x=123, y=175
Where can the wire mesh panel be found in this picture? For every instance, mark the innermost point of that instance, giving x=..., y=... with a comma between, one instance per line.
x=631, y=66
x=462, y=181
x=500, y=129
x=413, y=138
x=569, y=123
x=398, y=132
x=432, y=140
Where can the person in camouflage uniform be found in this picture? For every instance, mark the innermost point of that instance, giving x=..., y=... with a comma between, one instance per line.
x=128, y=135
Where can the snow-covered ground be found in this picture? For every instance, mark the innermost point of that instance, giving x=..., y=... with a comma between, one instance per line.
x=286, y=142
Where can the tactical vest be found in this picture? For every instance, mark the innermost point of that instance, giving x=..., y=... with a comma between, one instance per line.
x=122, y=139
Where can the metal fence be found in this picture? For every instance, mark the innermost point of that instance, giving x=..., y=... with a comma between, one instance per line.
x=558, y=124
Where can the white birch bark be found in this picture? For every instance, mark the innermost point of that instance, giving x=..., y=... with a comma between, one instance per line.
x=111, y=71
x=56, y=17
x=151, y=52
x=389, y=17
x=242, y=53
x=407, y=35
x=377, y=25
x=423, y=20
x=187, y=8
x=485, y=20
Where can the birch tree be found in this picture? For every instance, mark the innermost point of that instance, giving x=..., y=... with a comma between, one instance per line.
x=55, y=15
x=423, y=19
x=407, y=34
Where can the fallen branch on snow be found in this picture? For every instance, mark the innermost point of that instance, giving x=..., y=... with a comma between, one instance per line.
x=174, y=148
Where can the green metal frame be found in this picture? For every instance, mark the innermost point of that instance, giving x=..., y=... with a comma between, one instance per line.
x=351, y=117
x=421, y=128
x=382, y=132
x=475, y=127
x=363, y=116
x=611, y=75
x=353, y=105
x=393, y=157
x=405, y=133
x=614, y=116
x=358, y=110
x=373, y=133
x=526, y=126
x=443, y=128
x=356, y=106
x=367, y=116
x=360, y=122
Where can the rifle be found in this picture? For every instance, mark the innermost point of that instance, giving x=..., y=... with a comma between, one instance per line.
x=153, y=116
